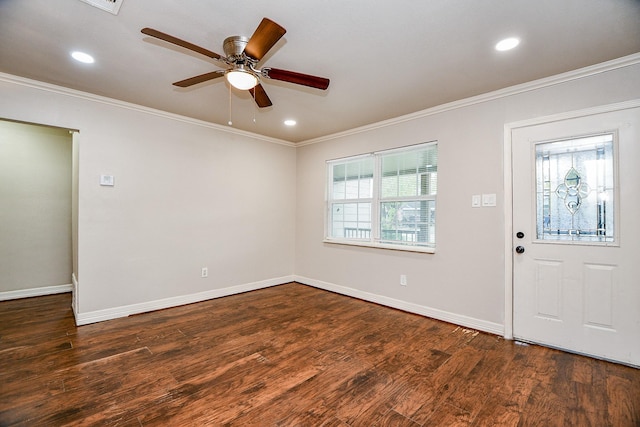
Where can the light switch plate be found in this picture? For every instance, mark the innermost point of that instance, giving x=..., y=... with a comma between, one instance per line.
x=489, y=199
x=108, y=180
x=475, y=201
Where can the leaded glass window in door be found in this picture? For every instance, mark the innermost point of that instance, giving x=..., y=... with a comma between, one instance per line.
x=575, y=189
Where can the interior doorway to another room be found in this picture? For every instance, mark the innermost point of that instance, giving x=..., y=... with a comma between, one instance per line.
x=38, y=210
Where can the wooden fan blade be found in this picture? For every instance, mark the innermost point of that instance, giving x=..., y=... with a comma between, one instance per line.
x=166, y=37
x=297, y=78
x=199, y=79
x=260, y=96
x=264, y=37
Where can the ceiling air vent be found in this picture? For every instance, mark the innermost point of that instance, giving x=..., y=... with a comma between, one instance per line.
x=111, y=6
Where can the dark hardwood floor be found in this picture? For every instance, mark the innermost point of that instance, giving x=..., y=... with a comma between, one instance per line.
x=291, y=355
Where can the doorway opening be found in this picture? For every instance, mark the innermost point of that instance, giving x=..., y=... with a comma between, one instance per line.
x=38, y=210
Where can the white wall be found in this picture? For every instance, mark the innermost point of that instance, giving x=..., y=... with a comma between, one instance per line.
x=463, y=281
x=187, y=195
x=180, y=202
x=35, y=207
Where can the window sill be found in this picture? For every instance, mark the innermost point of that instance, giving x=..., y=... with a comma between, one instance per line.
x=405, y=248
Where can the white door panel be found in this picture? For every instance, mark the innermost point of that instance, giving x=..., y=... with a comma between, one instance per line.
x=576, y=199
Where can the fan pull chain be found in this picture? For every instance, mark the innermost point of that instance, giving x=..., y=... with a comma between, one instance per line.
x=255, y=108
x=230, y=122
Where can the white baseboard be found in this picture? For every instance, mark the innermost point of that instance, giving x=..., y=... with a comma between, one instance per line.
x=35, y=292
x=127, y=310
x=457, y=319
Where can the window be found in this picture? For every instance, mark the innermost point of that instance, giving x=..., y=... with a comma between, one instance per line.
x=575, y=197
x=384, y=199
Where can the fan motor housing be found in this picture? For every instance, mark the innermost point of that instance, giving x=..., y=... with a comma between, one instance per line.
x=234, y=46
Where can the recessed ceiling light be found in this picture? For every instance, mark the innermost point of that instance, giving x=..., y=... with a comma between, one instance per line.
x=290, y=122
x=85, y=58
x=507, y=44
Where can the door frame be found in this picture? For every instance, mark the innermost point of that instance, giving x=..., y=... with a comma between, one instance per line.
x=508, y=191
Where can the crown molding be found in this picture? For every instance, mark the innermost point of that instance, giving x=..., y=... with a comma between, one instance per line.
x=614, y=64
x=580, y=73
x=61, y=90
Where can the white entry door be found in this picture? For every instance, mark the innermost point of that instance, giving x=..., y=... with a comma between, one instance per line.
x=576, y=242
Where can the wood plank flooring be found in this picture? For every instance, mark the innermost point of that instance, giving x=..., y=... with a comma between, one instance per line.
x=291, y=355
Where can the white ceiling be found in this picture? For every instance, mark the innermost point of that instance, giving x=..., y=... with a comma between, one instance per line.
x=384, y=58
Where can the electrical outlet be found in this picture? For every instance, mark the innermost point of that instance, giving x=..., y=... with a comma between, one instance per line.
x=205, y=272
x=403, y=280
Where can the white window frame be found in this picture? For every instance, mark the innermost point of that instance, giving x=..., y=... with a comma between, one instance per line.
x=375, y=239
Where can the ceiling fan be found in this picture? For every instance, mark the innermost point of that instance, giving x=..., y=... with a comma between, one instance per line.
x=242, y=57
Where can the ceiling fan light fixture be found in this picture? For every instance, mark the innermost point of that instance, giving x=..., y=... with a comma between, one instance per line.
x=241, y=79
x=242, y=55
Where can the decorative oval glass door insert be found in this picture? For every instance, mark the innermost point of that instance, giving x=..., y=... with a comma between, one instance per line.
x=575, y=189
